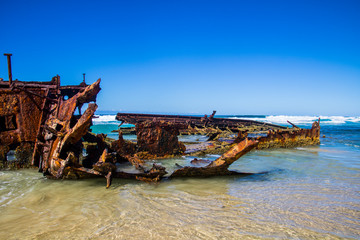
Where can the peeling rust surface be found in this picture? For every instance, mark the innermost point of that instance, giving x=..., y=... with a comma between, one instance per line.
x=159, y=138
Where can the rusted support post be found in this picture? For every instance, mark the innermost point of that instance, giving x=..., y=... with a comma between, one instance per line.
x=212, y=115
x=292, y=124
x=8, y=55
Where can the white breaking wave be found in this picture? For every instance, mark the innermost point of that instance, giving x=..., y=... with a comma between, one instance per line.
x=341, y=119
x=105, y=119
x=282, y=119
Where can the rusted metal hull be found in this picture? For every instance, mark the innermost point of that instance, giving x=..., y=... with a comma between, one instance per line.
x=268, y=135
x=196, y=122
x=62, y=131
x=288, y=138
x=24, y=109
x=39, y=121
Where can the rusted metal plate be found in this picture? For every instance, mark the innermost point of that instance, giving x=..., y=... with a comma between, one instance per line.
x=9, y=102
x=30, y=114
x=159, y=138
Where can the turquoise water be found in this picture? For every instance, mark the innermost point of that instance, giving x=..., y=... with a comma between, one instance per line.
x=308, y=193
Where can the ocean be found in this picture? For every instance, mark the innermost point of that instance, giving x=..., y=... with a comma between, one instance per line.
x=308, y=193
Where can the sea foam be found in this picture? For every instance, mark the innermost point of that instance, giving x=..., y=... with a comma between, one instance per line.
x=105, y=119
x=282, y=119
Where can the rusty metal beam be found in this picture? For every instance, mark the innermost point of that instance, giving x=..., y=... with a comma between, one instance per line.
x=222, y=123
x=219, y=166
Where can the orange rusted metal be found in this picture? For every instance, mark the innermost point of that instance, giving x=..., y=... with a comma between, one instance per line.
x=26, y=106
x=38, y=119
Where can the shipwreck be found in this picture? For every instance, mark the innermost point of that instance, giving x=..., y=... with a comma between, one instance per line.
x=43, y=124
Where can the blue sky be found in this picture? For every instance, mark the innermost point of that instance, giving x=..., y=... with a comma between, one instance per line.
x=236, y=57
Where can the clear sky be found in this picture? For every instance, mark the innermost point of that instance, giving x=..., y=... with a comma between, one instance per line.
x=236, y=57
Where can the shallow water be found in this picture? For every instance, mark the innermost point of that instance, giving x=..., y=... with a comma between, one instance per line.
x=308, y=193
